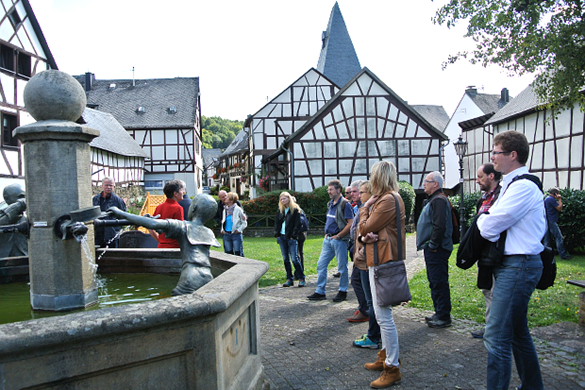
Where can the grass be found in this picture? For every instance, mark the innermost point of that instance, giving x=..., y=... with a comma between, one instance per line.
x=556, y=304
x=267, y=249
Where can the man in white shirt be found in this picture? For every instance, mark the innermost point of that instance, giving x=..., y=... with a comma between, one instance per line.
x=520, y=211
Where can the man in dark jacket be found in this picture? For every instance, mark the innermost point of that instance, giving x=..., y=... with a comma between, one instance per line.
x=489, y=182
x=105, y=200
x=434, y=234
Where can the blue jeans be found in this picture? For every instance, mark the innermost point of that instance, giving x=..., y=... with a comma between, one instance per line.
x=553, y=229
x=506, y=332
x=373, y=327
x=289, y=248
x=358, y=289
x=332, y=248
x=233, y=244
x=437, y=264
x=387, y=326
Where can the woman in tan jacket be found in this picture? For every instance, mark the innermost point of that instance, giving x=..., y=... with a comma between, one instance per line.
x=378, y=224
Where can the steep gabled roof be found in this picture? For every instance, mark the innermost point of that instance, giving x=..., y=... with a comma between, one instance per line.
x=526, y=101
x=487, y=103
x=150, y=103
x=239, y=144
x=338, y=59
x=209, y=155
x=113, y=137
x=435, y=115
x=335, y=100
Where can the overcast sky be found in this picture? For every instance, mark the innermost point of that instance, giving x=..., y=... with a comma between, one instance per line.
x=247, y=51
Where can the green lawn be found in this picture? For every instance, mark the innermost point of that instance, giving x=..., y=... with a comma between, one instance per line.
x=267, y=249
x=556, y=304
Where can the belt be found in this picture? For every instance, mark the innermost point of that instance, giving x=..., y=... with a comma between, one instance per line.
x=331, y=235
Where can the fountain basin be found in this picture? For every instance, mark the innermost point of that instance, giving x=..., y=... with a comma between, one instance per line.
x=205, y=340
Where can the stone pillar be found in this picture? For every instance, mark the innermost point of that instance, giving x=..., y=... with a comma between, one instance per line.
x=58, y=180
x=582, y=309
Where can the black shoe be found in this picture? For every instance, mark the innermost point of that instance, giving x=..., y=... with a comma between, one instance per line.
x=317, y=297
x=341, y=296
x=431, y=318
x=567, y=257
x=337, y=274
x=436, y=323
x=478, y=334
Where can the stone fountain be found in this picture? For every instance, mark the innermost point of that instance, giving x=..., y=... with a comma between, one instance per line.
x=206, y=340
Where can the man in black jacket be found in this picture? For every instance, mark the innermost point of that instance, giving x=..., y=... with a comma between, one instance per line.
x=105, y=236
x=489, y=182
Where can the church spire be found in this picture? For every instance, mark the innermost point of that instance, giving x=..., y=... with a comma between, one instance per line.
x=338, y=60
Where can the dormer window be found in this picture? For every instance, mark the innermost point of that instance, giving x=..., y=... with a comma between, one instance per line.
x=112, y=86
x=140, y=110
x=172, y=110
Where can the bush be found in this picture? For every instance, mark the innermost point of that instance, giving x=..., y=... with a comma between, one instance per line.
x=469, y=201
x=267, y=204
x=572, y=219
x=408, y=196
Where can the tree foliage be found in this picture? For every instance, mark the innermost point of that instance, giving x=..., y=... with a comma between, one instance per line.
x=218, y=133
x=545, y=37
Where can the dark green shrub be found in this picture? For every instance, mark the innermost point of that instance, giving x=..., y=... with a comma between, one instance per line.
x=469, y=202
x=408, y=197
x=323, y=198
x=572, y=219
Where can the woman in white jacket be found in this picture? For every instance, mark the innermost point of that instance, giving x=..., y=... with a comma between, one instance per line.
x=232, y=226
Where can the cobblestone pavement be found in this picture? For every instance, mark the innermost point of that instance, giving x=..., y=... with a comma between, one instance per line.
x=308, y=345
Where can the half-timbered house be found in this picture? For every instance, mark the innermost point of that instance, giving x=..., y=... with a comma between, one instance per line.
x=286, y=113
x=163, y=116
x=23, y=53
x=210, y=165
x=114, y=153
x=363, y=123
x=556, y=144
x=236, y=159
x=472, y=105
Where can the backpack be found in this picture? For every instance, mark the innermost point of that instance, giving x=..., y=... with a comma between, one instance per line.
x=456, y=233
x=549, y=265
x=304, y=222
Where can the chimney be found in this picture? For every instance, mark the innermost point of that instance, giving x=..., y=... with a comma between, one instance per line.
x=505, y=95
x=471, y=90
x=89, y=78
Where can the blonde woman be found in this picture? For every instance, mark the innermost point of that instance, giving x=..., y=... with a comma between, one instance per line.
x=287, y=229
x=378, y=223
x=233, y=224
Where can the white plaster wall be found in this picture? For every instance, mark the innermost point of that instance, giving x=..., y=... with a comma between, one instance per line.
x=466, y=110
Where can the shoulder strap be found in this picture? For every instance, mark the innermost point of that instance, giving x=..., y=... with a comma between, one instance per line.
x=530, y=177
x=398, y=227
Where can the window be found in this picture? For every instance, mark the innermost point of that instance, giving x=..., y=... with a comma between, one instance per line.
x=24, y=65
x=7, y=58
x=153, y=184
x=9, y=123
x=14, y=18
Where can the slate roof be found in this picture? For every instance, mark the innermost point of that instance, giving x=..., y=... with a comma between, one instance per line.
x=156, y=96
x=525, y=101
x=239, y=144
x=487, y=103
x=209, y=155
x=435, y=115
x=113, y=137
x=338, y=60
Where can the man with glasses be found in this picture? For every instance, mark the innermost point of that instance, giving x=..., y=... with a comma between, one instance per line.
x=520, y=211
x=104, y=236
x=433, y=235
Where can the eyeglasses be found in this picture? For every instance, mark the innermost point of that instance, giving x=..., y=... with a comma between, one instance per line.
x=494, y=153
x=429, y=181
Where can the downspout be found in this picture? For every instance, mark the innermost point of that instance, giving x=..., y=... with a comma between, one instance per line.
x=292, y=169
x=441, y=155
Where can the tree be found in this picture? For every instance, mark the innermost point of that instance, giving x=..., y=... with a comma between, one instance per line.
x=546, y=37
x=219, y=133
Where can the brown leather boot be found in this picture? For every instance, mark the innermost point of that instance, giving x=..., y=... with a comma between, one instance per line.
x=390, y=376
x=378, y=365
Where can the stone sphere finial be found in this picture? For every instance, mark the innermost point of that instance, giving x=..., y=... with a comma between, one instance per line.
x=53, y=94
